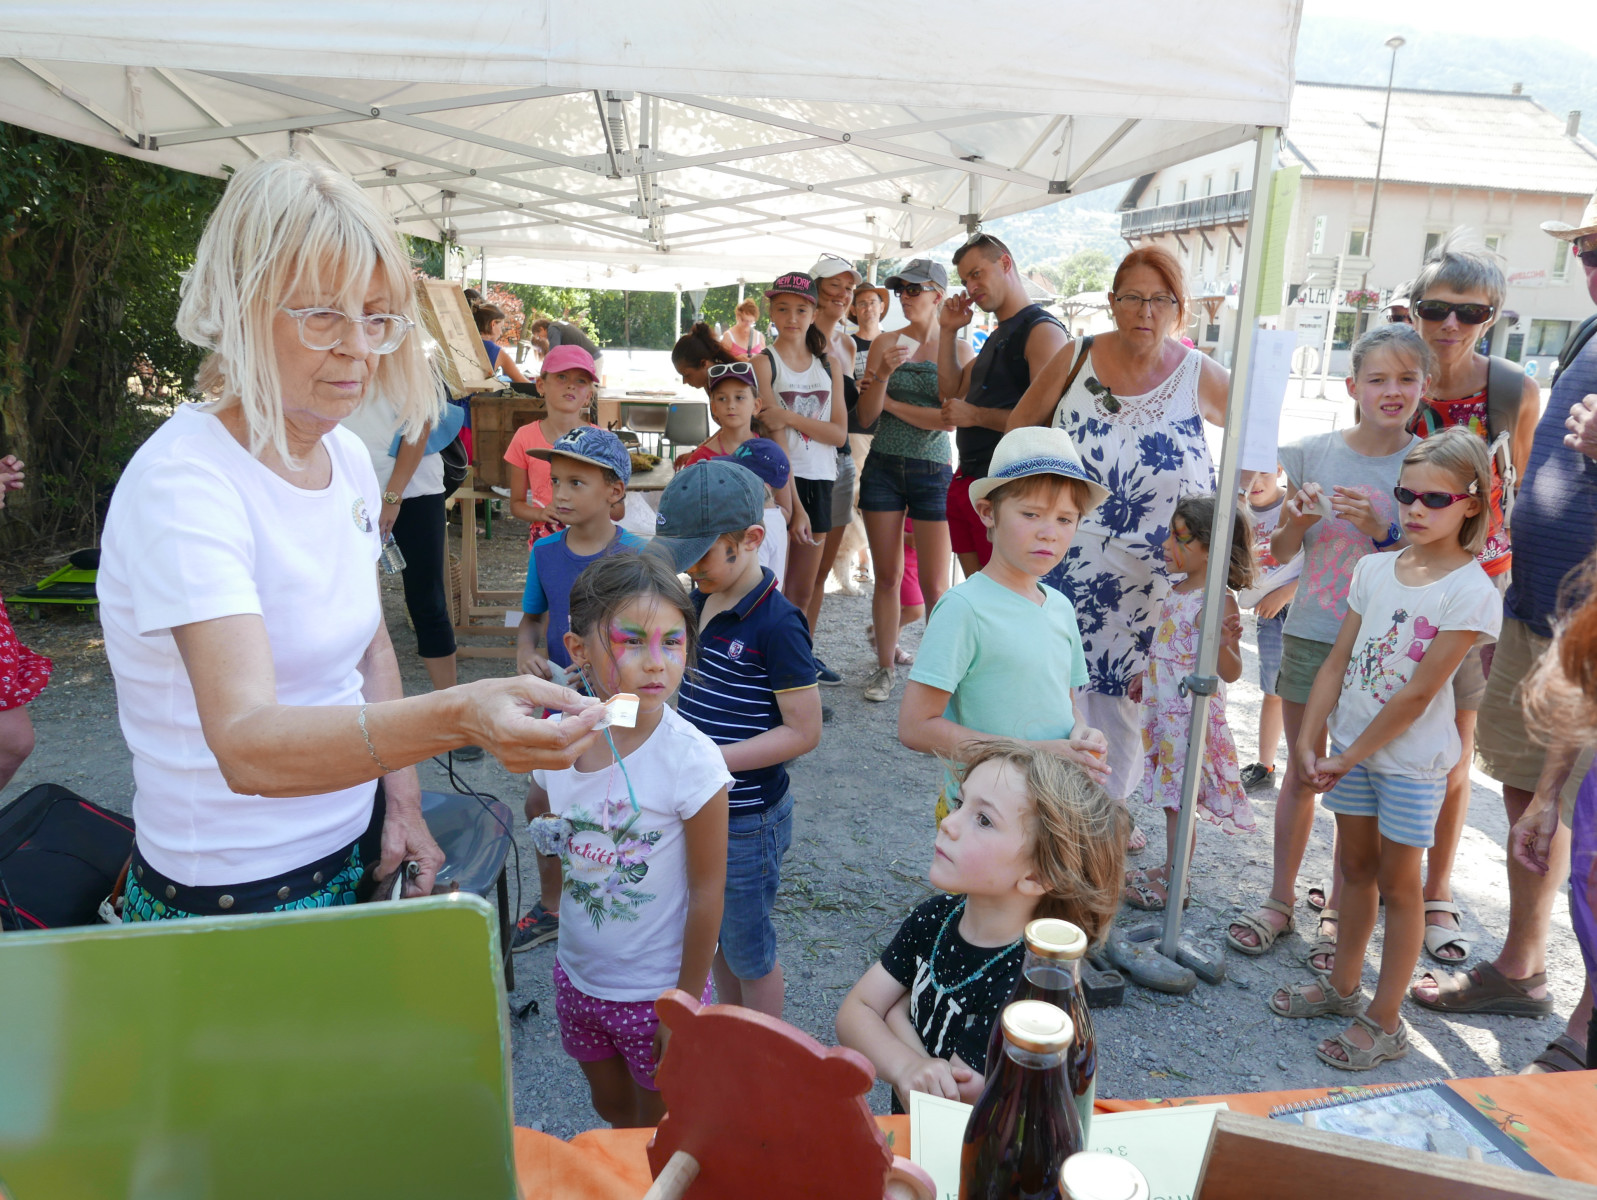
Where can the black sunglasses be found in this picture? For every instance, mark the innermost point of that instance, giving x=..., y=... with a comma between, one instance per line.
x=1588, y=258
x=1468, y=314
x=1431, y=499
x=912, y=289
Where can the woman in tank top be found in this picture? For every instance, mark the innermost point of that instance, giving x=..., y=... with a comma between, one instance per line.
x=908, y=469
x=1136, y=410
x=799, y=382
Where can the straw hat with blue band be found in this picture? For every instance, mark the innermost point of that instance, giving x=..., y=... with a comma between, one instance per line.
x=1037, y=450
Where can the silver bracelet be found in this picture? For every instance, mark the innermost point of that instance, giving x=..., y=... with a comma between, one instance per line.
x=371, y=749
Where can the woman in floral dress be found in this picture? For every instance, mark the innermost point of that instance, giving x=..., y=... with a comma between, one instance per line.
x=23, y=673
x=1136, y=408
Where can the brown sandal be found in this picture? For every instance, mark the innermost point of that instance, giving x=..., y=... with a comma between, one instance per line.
x=1485, y=989
x=1386, y=1047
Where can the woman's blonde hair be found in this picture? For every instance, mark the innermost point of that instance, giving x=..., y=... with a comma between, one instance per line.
x=284, y=223
x=1078, y=834
x=749, y=308
x=1461, y=454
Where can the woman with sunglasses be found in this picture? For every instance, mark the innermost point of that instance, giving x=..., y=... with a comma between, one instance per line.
x=256, y=684
x=909, y=466
x=1455, y=301
x=1135, y=400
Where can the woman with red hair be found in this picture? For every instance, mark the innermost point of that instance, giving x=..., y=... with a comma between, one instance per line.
x=1135, y=400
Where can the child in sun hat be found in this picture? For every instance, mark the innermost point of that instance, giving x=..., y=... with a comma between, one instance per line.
x=1002, y=656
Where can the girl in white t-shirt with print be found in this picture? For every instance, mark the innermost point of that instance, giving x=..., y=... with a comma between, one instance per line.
x=639, y=823
x=1385, y=696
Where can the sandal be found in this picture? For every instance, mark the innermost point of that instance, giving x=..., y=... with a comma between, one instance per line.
x=1331, y=1003
x=1484, y=989
x=1440, y=937
x=1263, y=930
x=1563, y=1053
x=1322, y=944
x=1317, y=895
x=1386, y=1047
x=1140, y=893
x=903, y=657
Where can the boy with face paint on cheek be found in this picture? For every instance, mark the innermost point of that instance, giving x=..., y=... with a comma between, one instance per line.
x=755, y=670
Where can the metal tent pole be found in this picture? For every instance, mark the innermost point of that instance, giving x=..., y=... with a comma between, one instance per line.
x=1203, y=682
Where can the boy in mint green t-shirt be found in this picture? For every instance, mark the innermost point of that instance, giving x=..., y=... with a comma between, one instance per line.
x=1002, y=656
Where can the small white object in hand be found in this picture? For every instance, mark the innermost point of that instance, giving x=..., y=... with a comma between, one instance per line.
x=621, y=709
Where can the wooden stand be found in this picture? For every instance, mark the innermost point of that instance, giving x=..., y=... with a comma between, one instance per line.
x=1253, y=1158
x=474, y=602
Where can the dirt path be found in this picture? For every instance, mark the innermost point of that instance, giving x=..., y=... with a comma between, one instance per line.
x=862, y=843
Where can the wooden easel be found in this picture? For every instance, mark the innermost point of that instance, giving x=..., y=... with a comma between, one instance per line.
x=474, y=601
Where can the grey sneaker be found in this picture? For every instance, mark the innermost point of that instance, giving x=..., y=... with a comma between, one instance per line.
x=880, y=686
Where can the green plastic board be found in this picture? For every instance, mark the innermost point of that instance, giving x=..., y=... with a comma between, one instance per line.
x=1278, y=215
x=350, y=1052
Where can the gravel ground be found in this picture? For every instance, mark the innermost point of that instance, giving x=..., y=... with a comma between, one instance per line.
x=862, y=843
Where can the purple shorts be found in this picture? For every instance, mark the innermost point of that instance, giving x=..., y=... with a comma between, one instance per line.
x=592, y=1030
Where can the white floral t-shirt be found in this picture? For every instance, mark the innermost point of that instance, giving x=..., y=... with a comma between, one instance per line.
x=624, y=897
x=1397, y=626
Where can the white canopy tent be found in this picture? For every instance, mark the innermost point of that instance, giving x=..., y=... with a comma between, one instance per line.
x=698, y=139
x=647, y=138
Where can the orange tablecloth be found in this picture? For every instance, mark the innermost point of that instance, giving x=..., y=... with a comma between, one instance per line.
x=1553, y=1117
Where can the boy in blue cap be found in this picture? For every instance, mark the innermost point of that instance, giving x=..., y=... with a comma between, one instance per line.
x=753, y=693
x=588, y=472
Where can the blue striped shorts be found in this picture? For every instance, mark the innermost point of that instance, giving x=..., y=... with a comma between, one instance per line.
x=1406, y=806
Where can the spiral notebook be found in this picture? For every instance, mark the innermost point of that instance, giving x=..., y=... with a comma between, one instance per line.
x=1427, y=1115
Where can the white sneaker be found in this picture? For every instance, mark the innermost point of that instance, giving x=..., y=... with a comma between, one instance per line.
x=880, y=686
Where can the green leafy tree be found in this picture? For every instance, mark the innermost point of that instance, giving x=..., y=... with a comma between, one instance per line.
x=1083, y=271
x=92, y=250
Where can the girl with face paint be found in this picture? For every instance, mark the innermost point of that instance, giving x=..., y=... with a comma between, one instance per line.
x=639, y=825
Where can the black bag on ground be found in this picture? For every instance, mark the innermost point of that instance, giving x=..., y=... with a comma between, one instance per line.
x=60, y=856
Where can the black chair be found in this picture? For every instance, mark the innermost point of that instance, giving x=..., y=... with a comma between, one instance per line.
x=686, y=425
x=475, y=836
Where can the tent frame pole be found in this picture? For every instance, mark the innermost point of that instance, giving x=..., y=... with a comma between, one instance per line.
x=1204, y=683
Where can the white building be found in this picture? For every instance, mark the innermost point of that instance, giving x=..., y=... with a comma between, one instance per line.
x=1499, y=165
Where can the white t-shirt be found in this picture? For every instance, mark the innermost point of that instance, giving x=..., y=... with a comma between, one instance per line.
x=198, y=529
x=375, y=423
x=1396, y=626
x=624, y=891
x=1271, y=574
x=773, y=550
x=809, y=394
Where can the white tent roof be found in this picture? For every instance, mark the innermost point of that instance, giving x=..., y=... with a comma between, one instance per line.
x=675, y=140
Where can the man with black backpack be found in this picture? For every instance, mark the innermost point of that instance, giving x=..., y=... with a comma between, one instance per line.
x=978, y=397
x=1555, y=531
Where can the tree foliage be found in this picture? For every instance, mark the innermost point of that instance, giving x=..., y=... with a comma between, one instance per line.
x=92, y=249
x=1083, y=271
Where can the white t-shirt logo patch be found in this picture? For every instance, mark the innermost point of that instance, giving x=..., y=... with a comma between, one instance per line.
x=362, y=518
x=735, y=650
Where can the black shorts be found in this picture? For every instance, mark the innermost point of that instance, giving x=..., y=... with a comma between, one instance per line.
x=816, y=497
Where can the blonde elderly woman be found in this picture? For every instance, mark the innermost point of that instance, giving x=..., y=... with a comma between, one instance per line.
x=256, y=684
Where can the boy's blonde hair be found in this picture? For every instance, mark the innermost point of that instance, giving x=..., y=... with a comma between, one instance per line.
x=283, y=222
x=1461, y=454
x=1078, y=834
x=1043, y=486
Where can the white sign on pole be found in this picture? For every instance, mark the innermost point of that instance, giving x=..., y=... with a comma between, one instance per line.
x=1311, y=326
x=1267, y=384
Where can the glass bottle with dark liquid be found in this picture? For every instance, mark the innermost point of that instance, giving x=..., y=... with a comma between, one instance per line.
x=1052, y=972
x=1024, y=1125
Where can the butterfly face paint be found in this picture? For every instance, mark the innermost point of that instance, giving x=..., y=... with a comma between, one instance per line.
x=645, y=653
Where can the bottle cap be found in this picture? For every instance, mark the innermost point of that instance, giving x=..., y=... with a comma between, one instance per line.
x=1049, y=937
x=1091, y=1175
x=1037, y=1026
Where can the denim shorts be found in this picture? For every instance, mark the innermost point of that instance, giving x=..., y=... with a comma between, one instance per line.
x=893, y=483
x=755, y=845
x=1268, y=632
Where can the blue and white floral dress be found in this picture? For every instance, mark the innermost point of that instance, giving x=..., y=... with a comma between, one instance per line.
x=1149, y=451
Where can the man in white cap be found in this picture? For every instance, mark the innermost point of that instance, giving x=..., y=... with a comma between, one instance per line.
x=1555, y=531
x=982, y=392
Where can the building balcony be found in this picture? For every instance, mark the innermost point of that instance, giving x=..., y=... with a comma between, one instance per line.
x=1206, y=212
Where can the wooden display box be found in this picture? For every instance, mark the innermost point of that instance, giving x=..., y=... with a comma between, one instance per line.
x=1253, y=1158
x=447, y=317
x=494, y=421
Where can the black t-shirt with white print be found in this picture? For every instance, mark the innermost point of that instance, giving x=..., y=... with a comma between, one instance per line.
x=951, y=1020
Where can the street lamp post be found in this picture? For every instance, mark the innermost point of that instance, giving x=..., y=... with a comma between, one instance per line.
x=1393, y=44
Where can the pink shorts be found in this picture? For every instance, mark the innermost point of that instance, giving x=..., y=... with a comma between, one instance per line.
x=909, y=593
x=592, y=1030
x=966, y=533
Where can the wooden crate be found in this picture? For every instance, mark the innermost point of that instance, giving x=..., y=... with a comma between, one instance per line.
x=494, y=421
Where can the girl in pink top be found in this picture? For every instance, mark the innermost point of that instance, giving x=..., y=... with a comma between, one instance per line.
x=567, y=382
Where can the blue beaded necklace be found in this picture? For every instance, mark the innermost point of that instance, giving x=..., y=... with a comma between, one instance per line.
x=931, y=963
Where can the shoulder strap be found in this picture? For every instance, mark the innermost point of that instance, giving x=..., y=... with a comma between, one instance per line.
x=1505, y=385
x=1082, y=353
x=1576, y=344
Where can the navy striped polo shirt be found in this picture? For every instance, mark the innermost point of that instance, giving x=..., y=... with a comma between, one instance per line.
x=1555, y=513
x=747, y=654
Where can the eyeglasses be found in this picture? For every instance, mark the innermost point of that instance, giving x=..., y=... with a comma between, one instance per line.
x=1432, y=499
x=325, y=328
x=1468, y=314
x=1132, y=302
x=1588, y=258
x=1401, y=319
x=911, y=289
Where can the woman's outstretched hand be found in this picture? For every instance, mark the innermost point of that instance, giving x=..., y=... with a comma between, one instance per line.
x=506, y=717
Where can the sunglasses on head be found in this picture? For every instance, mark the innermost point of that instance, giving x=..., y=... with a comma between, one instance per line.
x=736, y=370
x=1431, y=499
x=1468, y=314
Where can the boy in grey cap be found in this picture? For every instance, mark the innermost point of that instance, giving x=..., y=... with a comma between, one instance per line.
x=755, y=672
